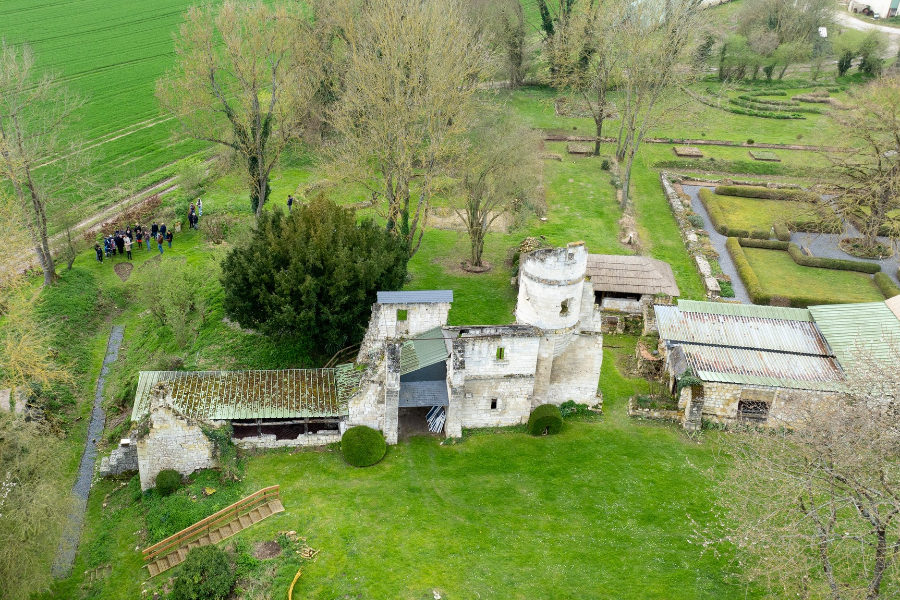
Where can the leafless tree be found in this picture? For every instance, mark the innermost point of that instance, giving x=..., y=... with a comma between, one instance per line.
x=503, y=22
x=244, y=74
x=654, y=47
x=869, y=176
x=408, y=98
x=813, y=510
x=498, y=172
x=35, y=112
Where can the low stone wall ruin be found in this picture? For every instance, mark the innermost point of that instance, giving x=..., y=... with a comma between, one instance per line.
x=123, y=459
x=269, y=441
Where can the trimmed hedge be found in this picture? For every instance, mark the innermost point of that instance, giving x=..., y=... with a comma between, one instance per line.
x=751, y=191
x=835, y=264
x=206, y=574
x=167, y=481
x=886, y=285
x=363, y=446
x=760, y=235
x=767, y=244
x=745, y=271
x=708, y=199
x=545, y=419
x=782, y=232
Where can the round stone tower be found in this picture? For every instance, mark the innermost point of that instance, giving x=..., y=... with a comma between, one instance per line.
x=551, y=282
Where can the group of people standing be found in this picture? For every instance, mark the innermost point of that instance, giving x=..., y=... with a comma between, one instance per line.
x=121, y=242
x=194, y=214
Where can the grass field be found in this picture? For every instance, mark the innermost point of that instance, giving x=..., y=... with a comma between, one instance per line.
x=761, y=214
x=603, y=510
x=779, y=274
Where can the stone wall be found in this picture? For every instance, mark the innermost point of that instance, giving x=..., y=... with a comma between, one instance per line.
x=384, y=325
x=122, y=459
x=513, y=401
x=173, y=442
x=575, y=372
x=551, y=286
x=661, y=414
x=366, y=407
x=267, y=441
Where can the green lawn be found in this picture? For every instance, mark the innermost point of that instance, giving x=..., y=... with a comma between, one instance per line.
x=779, y=274
x=760, y=214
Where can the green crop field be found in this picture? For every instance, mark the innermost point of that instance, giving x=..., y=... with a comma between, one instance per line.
x=109, y=53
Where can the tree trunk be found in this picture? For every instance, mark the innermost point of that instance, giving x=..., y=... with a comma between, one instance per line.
x=626, y=177
x=881, y=563
x=598, y=119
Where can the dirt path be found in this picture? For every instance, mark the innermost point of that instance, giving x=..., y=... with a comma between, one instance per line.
x=68, y=544
x=892, y=33
x=562, y=137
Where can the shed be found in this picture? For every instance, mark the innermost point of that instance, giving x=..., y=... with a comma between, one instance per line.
x=623, y=282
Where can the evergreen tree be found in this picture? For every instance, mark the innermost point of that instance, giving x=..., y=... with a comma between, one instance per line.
x=312, y=274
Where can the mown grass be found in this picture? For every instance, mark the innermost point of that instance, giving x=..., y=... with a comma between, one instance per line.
x=778, y=274
x=761, y=214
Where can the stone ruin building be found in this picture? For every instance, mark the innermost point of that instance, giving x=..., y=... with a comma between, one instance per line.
x=414, y=373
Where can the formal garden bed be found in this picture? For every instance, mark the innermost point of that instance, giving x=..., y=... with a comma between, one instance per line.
x=857, y=247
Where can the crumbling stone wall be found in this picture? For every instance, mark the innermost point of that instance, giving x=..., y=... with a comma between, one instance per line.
x=551, y=287
x=173, y=442
x=267, y=441
x=575, y=372
x=122, y=459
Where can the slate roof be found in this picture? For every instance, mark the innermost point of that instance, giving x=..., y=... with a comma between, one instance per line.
x=228, y=395
x=869, y=327
x=631, y=275
x=423, y=393
x=424, y=350
x=745, y=349
x=416, y=297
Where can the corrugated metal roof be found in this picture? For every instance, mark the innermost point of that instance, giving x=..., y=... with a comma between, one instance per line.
x=423, y=393
x=425, y=349
x=283, y=394
x=415, y=297
x=630, y=274
x=745, y=310
x=851, y=329
x=779, y=335
x=753, y=367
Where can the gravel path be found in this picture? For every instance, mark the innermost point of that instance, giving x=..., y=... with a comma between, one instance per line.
x=65, y=554
x=825, y=245
x=718, y=242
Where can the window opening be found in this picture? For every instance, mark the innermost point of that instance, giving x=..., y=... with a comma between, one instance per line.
x=401, y=314
x=501, y=353
x=493, y=404
x=564, y=307
x=753, y=410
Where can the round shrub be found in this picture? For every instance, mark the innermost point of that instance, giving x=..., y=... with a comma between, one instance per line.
x=545, y=419
x=362, y=446
x=168, y=481
x=206, y=574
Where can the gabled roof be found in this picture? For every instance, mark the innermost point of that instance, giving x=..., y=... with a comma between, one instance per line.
x=416, y=297
x=869, y=327
x=745, y=310
x=631, y=275
x=228, y=395
x=426, y=349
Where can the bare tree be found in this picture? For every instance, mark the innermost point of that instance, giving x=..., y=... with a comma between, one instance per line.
x=244, y=75
x=813, y=511
x=654, y=46
x=409, y=97
x=585, y=57
x=555, y=20
x=498, y=172
x=503, y=22
x=35, y=111
x=869, y=176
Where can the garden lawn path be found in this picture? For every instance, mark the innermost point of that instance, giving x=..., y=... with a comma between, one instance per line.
x=718, y=242
x=825, y=245
x=65, y=554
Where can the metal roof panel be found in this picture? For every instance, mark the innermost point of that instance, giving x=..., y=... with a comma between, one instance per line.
x=416, y=297
x=745, y=310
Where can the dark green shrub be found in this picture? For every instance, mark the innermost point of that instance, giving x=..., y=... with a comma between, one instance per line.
x=708, y=199
x=206, y=574
x=696, y=221
x=570, y=408
x=604, y=165
x=726, y=290
x=362, y=446
x=782, y=232
x=886, y=285
x=752, y=191
x=167, y=481
x=844, y=62
x=756, y=234
x=750, y=141
x=545, y=419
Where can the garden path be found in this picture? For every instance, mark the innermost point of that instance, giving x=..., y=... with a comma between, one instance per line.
x=826, y=246
x=68, y=544
x=718, y=242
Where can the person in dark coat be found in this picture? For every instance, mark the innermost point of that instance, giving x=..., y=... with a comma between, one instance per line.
x=154, y=230
x=99, y=253
x=162, y=230
x=120, y=244
x=290, y=203
x=169, y=238
x=138, y=237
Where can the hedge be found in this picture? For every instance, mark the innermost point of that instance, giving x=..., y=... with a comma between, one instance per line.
x=760, y=235
x=835, y=264
x=751, y=191
x=206, y=574
x=708, y=199
x=773, y=108
x=767, y=244
x=886, y=285
x=363, y=446
x=167, y=481
x=545, y=419
x=755, y=98
x=782, y=232
x=745, y=271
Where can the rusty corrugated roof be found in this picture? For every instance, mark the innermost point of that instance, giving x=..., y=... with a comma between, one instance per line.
x=630, y=275
x=228, y=395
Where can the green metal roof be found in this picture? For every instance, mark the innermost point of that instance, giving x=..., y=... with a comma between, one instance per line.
x=745, y=310
x=850, y=329
x=422, y=351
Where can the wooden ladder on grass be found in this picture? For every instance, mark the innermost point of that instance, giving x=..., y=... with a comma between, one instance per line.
x=227, y=522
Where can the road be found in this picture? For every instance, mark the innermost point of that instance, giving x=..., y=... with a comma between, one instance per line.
x=892, y=33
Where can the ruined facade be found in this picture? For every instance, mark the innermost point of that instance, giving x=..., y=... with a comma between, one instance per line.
x=482, y=376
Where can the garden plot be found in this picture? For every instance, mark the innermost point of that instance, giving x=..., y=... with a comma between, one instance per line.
x=760, y=214
x=779, y=275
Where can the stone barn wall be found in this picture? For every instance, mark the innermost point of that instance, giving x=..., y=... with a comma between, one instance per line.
x=173, y=442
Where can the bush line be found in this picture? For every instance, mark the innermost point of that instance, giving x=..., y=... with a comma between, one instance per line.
x=750, y=191
x=835, y=264
x=715, y=215
x=886, y=285
x=745, y=272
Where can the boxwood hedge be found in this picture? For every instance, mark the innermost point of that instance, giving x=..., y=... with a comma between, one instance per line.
x=886, y=285
x=752, y=191
x=167, y=481
x=708, y=199
x=801, y=259
x=362, y=446
x=782, y=232
x=545, y=419
x=745, y=271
